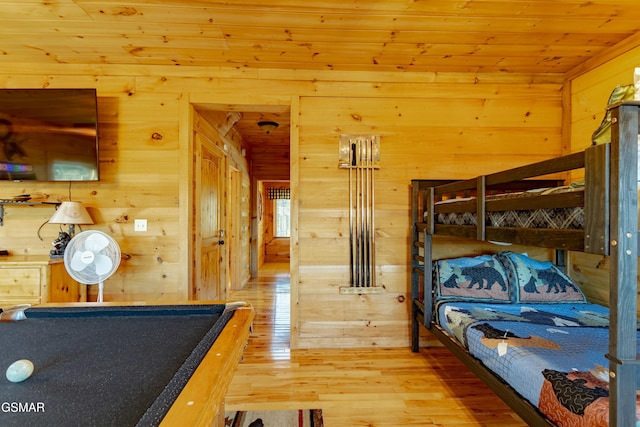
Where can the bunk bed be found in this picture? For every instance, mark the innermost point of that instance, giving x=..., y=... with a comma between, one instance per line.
x=600, y=217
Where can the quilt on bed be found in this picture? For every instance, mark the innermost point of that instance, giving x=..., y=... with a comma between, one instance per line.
x=553, y=355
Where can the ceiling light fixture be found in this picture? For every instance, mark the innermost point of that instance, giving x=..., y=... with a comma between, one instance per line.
x=268, y=126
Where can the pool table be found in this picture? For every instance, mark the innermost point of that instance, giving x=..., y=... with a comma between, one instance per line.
x=122, y=365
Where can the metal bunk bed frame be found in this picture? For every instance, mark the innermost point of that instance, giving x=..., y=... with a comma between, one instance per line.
x=611, y=213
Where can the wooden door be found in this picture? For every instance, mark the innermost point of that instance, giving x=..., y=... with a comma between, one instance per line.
x=210, y=255
x=233, y=236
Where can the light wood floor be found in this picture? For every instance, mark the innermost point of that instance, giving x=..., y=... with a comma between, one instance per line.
x=354, y=387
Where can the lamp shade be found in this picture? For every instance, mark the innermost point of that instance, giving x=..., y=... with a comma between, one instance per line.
x=71, y=213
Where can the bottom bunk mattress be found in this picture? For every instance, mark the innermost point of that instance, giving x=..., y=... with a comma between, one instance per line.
x=553, y=355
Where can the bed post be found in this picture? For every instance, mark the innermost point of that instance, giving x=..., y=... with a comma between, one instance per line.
x=421, y=200
x=561, y=259
x=597, y=201
x=481, y=190
x=427, y=280
x=623, y=270
x=415, y=266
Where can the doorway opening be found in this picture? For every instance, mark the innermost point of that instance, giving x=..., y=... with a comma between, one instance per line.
x=274, y=223
x=253, y=157
x=256, y=159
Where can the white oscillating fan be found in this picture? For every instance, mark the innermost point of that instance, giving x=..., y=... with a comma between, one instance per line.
x=91, y=257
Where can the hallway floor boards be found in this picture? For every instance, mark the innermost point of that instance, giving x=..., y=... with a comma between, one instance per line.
x=354, y=387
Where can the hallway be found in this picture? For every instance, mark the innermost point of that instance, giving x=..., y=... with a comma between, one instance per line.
x=354, y=387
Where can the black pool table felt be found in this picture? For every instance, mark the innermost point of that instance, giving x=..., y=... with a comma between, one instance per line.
x=104, y=366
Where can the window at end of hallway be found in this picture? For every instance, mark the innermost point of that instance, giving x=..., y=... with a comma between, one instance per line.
x=282, y=217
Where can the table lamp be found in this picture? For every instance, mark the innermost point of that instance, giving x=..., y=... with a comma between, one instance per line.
x=70, y=213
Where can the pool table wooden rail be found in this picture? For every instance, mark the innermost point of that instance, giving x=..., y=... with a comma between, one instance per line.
x=201, y=402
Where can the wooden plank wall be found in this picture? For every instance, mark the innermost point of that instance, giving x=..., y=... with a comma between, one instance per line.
x=456, y=130
x=432, y=125
x=589, y=94
x=270, y=162
x=139, y=148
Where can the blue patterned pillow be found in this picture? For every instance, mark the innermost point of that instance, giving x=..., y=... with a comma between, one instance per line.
x=538, y=281
x=481, y=278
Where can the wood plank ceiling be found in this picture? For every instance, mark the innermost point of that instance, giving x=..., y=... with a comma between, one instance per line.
x=480, y=36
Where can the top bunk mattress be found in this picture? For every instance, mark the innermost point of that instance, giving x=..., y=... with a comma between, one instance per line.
x=571, y=217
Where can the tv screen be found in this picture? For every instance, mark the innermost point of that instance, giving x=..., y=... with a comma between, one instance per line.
x=48, y=135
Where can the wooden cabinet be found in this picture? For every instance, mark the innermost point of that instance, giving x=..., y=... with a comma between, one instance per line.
x=36, y=280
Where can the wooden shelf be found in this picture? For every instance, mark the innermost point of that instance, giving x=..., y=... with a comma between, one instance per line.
x=25, y=203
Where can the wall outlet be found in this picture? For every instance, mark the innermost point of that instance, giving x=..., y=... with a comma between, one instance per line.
x=140, y=225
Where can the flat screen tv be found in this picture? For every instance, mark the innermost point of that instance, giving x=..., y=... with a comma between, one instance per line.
x=48, y=135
